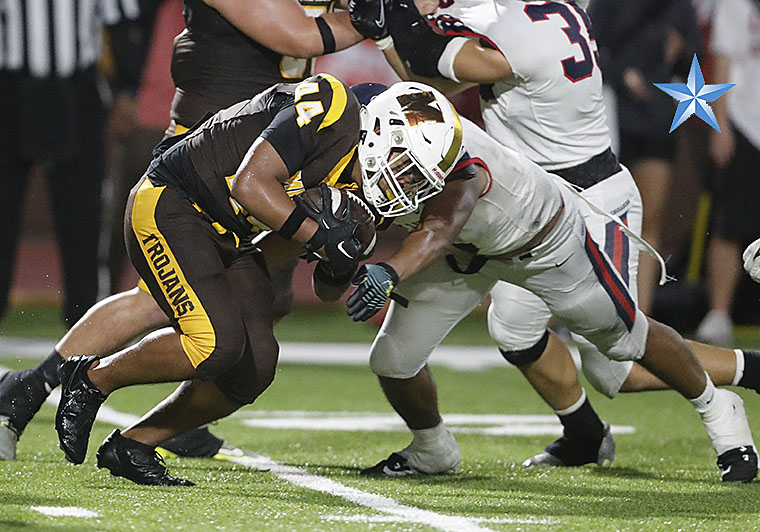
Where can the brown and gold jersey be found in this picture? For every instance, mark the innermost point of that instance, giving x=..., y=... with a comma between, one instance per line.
x=313, y=125
x=215, y=65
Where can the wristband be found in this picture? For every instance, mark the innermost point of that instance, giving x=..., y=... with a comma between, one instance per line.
x=293, y=223
x=446, y=61
x=384, y=43
x=328, y=39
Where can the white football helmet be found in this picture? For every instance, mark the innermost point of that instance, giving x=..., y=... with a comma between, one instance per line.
x=411, y=139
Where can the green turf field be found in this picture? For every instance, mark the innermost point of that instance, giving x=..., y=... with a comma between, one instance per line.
x=664, y=476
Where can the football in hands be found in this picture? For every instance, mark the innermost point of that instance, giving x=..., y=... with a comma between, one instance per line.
x=341, y=198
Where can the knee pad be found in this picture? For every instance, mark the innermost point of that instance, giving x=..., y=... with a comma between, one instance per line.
x=604, y=386
x=387, y=360
x=516, y=317
x=525, y=357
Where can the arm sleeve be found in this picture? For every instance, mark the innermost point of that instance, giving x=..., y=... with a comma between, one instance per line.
x=287, y=139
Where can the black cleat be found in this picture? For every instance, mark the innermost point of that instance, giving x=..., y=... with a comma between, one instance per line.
x=136, y=461
x=80, y=401
x=738, y=465
x=393, y=466
x=566, y=452
x=22, y=393
x=195, y=443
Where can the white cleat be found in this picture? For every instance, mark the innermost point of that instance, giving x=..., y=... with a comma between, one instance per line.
x=444, y=458
x=414, y=460
x=732, y=439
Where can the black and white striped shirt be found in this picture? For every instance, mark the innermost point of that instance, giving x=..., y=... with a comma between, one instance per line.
x=47, y=38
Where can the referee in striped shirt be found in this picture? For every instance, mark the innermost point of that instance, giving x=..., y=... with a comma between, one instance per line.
x=52, y=113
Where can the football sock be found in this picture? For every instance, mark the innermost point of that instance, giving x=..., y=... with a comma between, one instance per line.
x=48, y=369
x=581, y=422
x=428, y=438
x=716, y=410
x=704, y=403
x=739, y=372
x=750, y=377
x=582, y=434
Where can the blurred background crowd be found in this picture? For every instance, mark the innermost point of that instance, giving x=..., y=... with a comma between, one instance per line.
x=76, y=134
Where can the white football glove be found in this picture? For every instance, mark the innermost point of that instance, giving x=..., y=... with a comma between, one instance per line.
x=751, y=258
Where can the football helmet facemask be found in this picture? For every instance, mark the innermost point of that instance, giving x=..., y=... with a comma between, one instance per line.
x=410, y=141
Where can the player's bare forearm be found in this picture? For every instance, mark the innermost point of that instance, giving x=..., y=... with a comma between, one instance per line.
x=419, y=249
x=257, y=187
x=344, y=33
x=284, y=27
x=397, y=65
x=477, y=64
x=442, y=220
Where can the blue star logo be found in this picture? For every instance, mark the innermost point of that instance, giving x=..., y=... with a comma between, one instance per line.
x=693, y=97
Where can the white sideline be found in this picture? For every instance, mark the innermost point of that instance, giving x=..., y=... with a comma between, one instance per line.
x=301, y=477
x=459, y=357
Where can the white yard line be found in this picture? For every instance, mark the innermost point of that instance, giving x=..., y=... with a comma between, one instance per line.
x=407, y=514
x=65, y=511
x=486, y=424
x=301, y=477
x=394, y=519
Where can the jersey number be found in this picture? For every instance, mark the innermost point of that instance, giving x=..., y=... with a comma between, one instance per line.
x=307, y=109
x=574, y=70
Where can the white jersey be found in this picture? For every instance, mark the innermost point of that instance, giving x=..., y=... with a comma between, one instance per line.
x=736, y=34
x=519, y=201
x=553, y=110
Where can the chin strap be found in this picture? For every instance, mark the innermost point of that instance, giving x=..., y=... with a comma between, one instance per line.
x=637, y=240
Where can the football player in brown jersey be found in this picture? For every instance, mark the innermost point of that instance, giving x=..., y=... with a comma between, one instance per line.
x=230, y=51
x=188, y=228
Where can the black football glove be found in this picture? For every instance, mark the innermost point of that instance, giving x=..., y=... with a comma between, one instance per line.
x=337, y=236
x=369, y=17
x=418, y=46
x=374, y=284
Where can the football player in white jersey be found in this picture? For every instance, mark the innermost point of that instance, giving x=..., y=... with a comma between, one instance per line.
x=480, y=213
x=542, y=96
